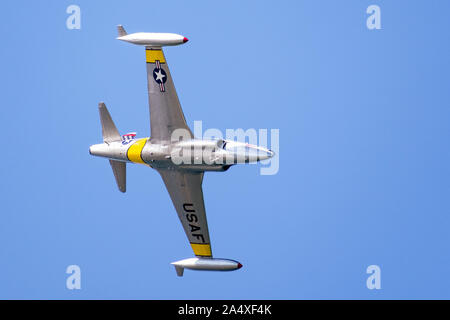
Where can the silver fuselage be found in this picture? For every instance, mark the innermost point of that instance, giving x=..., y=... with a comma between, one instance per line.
x=193, y=154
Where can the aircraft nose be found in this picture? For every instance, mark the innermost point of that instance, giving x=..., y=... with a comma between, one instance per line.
x=265, y=154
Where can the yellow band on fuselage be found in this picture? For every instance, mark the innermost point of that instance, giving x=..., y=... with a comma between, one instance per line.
x=154, y=54
x=203, y=250
x=135, y=150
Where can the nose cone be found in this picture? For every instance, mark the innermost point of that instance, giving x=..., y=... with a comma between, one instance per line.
x=264, y=154
x=268, y=154
x=247, y=153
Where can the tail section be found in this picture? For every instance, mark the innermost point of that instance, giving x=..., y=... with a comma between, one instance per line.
x=111, y=134
x=121, y=31
x=109, y=130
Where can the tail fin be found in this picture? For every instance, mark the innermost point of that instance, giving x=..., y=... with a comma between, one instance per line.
x=179, y=270
x=121, y=31
x=120, y=173
x=109, y=130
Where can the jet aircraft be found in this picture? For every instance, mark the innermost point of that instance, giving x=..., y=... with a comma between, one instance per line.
x=173, y=151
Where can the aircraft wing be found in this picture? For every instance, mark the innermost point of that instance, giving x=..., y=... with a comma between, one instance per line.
x=165, y=110
x=185, y=189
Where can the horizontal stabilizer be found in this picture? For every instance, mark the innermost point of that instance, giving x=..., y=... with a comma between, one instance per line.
x=109, y=130
x=120, y=173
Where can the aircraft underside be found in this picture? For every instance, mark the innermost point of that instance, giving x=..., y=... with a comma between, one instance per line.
x=179, y=158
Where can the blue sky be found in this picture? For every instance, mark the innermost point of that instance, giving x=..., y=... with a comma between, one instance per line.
x=364, y=159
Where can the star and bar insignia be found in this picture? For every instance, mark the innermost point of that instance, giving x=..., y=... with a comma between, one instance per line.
x=156, y=56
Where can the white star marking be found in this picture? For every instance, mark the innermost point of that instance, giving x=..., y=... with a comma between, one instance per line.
x=159, y=76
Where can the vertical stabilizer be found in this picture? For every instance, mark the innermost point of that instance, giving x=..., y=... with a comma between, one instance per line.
x=121, y=31
x=179, y=270
x=109, y=130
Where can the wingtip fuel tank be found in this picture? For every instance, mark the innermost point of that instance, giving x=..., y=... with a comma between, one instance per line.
x=151, y=39
x=206, y=264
